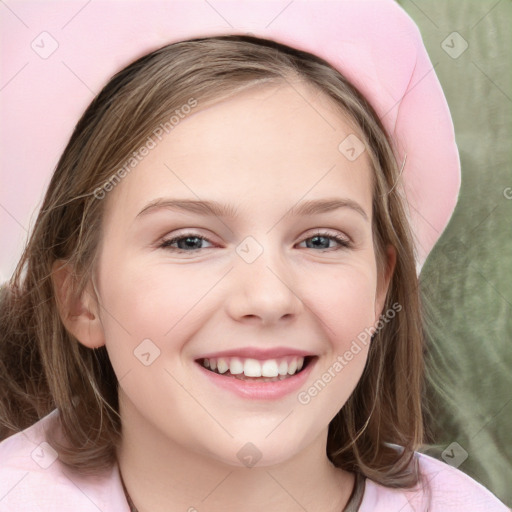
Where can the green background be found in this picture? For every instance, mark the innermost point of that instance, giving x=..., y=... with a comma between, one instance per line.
x=467, y=279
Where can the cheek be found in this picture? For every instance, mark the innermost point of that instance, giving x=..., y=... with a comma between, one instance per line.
x=147, y=317
x=344, y=301
x=155, y=301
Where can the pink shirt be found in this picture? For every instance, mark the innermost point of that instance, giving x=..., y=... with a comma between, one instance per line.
x=32, y=479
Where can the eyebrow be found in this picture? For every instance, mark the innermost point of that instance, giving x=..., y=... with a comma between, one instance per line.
x=217, y=209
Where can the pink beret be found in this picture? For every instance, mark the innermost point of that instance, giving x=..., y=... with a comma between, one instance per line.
x=66, y=53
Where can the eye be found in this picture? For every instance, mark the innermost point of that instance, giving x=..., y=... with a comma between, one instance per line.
x=188, y=242
x=192, y=242
x=321, y=240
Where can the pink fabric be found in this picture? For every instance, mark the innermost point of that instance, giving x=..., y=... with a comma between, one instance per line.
x=373, y=42
x=32, y=480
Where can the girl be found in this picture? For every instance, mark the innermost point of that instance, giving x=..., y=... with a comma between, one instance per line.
x=218, y=306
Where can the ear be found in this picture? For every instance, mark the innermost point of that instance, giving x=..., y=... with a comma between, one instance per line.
x=78, y=314
x=384, y=280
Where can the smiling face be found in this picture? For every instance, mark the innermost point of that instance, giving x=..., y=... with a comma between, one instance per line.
x=273, y=283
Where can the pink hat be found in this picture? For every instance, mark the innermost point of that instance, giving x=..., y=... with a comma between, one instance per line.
x=71, y=52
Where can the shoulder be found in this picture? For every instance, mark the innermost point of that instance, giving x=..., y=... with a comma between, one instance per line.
x=442, y=488
x=32, y=478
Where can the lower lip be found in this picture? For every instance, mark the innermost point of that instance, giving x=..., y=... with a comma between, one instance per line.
x=260, y=390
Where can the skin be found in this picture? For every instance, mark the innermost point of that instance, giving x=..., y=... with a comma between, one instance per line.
x=263, y=151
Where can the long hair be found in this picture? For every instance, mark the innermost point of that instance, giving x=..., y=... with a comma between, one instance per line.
x=43, y=367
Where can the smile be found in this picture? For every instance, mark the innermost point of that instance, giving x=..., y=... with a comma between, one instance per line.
x=269, y=370
x=260, y=379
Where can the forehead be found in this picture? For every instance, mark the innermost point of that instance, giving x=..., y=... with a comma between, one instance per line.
x=262, y=147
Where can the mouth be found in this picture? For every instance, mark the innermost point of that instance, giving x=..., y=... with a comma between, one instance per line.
x=249, y=369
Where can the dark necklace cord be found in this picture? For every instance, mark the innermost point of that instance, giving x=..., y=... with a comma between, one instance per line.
x=353, y=504
x=133, y=508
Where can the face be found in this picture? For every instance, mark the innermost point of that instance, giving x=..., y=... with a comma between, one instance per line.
x=196, y=305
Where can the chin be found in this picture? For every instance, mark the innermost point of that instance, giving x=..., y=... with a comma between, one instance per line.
x=259, y=452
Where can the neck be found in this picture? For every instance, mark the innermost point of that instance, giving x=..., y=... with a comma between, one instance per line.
x=157, y=471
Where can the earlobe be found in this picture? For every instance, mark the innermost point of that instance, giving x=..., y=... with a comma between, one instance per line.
x=80, y=315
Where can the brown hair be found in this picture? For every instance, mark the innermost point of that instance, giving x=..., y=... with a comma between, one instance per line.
x=42, y=366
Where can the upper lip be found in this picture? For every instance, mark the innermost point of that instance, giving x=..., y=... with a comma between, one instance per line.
x=257, y=353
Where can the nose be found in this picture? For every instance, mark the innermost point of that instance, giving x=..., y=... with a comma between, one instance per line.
x=263, y=292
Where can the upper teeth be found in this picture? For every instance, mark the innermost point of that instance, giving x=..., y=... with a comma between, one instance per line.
x=254, y=367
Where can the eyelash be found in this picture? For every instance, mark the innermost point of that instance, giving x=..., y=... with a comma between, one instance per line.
x=165, y=244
